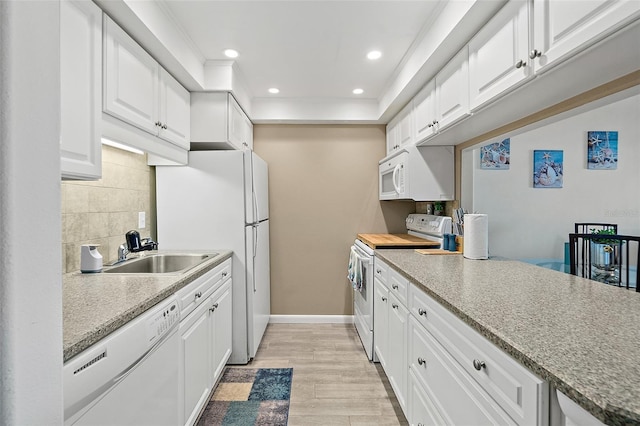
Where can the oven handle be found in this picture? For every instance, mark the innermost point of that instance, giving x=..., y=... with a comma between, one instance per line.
x=364, y=257
x=396, y=170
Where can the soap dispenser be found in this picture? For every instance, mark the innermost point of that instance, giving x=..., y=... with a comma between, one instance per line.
x=90, y=259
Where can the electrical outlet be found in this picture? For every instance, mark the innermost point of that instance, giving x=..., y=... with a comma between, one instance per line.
x=141, y=220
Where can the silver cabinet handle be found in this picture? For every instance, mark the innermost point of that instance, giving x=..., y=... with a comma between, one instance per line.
x=535, y=53
x=394, y=286
x=378, y=271
x=422, y=312
x=421, y=361
x=213, y=308
x=164, y=126
x=198, y=295
x=479, y=365
x=224, y=274
x=394, y=305
x=384, y=299
x=520, y=64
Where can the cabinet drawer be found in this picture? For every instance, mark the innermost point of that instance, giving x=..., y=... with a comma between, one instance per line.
x=380, y=270
x=197, y=292
x=421, y=409
x=456, y=396
x=512, y=386
x=398, y=285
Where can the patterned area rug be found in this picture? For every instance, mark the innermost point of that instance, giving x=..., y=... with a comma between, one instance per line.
x=250, y=397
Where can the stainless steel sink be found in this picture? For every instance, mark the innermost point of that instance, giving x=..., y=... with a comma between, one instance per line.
x=160, y=264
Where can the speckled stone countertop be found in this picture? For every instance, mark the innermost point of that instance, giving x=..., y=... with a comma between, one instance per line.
x=95, y=305
x=582, y=336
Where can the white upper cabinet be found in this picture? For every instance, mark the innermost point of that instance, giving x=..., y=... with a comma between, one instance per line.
x=175, y=107
x=452, y=90
x=80, y=89
x=401, y=130
x=562, y=28
x=218, y=122
x=138, y=91
x=499, y=54
x=424, y=112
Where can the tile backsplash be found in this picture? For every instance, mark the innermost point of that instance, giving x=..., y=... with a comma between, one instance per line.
x=101, y=212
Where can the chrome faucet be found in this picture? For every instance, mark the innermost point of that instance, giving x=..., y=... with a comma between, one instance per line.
x=123, y=251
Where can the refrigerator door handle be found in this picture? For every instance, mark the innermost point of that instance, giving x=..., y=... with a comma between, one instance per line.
x=256, y=208
x=255, y=252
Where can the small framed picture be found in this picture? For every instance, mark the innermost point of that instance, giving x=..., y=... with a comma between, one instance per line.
x=602, y=150
x=548, y=168
x=496, y=156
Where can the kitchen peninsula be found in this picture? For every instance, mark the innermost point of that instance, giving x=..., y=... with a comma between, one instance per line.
x=576, y=334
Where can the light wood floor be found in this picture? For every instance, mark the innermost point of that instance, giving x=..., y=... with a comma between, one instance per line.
x=333, y=382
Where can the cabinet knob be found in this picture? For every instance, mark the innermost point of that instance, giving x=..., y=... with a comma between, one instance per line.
x=520, y=64
x=164, y=126
x=384, y=299
x=394, y=305
x=213, y=308
x=479, y=365
x=157, y=123
x=422, y=312
x=429, y=125
x=421, y=361
x=224, y=274
x=378, y=271
x=198, y=295
x=394, y=286
x=535, y=53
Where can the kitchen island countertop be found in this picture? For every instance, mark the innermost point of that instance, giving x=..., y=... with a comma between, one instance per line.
x=580, y=335
x=95, y=305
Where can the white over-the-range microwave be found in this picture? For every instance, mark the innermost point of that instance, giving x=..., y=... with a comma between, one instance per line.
x=423, y=173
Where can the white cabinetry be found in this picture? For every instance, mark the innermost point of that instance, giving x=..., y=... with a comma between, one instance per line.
x=400, y=130
x=563, y=28
x=205, y=338
x=499, y=54
x=138, y=91
x=452, y=90
x=390, y=328
x=218, y=122
x=424, y=112
x=491, y=382
x=80, y=89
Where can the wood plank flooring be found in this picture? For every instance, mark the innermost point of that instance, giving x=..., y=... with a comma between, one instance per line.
x=333, y=381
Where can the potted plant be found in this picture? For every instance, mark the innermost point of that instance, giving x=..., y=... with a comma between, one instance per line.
x=605, y=253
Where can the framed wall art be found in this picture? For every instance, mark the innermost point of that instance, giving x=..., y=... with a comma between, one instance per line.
x=496, y=156
x=548, y=168
x=602, y=150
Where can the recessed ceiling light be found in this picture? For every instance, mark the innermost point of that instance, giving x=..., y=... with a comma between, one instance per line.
x=374, y=54
x=274, y=90
x=230, y=53
x=358, y=91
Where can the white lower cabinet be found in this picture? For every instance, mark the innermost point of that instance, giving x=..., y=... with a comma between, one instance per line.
x=456, y=396
x=205, y=338
x=444, y=372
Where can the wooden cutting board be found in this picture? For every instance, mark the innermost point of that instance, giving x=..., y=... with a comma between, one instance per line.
x=395, y=240
x=436, y=251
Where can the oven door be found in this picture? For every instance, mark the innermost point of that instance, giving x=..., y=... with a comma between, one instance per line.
x=392, y=176
x=363, y=302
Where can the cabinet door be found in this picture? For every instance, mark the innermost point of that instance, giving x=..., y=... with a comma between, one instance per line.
x=248, y=133
x=195, y=376
x=424, y=112
x=405, y=133
x=499, y=54
x=422, y=412
x=392, y=135
x=80, y=89
x=221, y=326
x=397, y=358
x=175, y=105
x=130, y=80
x=562, y=28
x=381, y=322
x=452, y=90
x=236, y=124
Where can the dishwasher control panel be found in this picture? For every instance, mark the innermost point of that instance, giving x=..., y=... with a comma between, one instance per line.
x=162, y=321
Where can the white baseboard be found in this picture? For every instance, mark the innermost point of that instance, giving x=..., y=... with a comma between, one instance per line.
x=311, y=319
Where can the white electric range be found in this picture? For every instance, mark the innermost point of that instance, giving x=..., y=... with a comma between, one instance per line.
x=423, y=231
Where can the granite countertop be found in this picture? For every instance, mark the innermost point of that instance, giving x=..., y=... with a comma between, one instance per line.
x=94, y=305
x=580, y=335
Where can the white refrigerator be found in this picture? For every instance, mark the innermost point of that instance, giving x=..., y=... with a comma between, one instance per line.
x=220, y=200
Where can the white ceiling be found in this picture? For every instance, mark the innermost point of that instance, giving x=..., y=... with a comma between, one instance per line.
x=307, y=49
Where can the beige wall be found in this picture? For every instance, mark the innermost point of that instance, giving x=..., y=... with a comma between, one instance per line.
x=323, y=190
x=101, y=212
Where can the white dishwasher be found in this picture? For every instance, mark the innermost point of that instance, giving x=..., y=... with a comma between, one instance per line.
x=130, y=377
